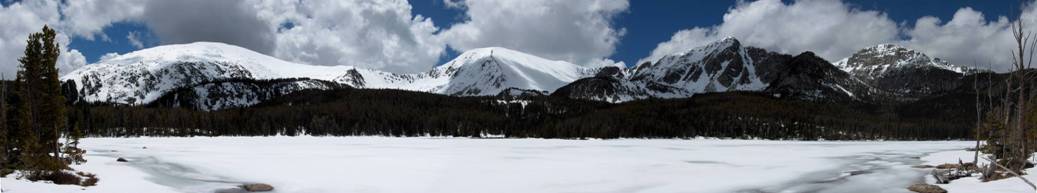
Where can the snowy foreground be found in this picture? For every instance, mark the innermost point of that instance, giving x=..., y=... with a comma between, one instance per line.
x=377, y=164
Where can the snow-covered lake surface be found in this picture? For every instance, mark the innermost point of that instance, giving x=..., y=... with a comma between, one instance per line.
x=457, y=165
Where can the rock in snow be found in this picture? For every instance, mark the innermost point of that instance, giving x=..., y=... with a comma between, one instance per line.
x=926, y=188
x=257, y=187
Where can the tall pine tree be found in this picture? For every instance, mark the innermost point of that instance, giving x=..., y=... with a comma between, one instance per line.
x=40, y=106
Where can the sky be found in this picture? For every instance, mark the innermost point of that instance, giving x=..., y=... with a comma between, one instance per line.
x=413, y=36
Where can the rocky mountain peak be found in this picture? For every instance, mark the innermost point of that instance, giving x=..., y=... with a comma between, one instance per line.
x=876, y=60
x=902, y=71
x=715, y=67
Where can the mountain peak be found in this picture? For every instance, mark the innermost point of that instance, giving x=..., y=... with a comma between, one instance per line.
x=489, y=70
x=719, y=45
x=715, y=67
x=729, y=39
x=501, y=53
x=897, y=69
x=886, y=56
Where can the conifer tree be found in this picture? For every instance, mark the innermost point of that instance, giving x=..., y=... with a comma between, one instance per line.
x=40, y=108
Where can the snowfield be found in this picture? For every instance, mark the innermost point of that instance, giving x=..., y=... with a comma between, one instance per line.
x=382, y=164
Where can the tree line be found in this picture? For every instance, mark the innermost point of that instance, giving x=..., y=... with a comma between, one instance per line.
x=347, y=112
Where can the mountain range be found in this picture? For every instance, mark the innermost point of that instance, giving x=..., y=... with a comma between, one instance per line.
x=213, y=76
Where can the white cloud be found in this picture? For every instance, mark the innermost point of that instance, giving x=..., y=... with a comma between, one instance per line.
x=86, y=18
x=373, y=34
x=366, y=33
x=134, y=39
x=968, y=38
x=457, y=4
x=25, y=17
x=70, y=60
x=828, y=27
x=578, y=31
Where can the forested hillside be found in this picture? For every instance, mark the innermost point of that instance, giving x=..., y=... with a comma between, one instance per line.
x=405, y=113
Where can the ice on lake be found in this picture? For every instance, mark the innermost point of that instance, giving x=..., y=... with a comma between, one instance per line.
x=383, y=164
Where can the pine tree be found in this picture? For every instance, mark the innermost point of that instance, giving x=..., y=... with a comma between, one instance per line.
x=53, y=104
x=40, y=109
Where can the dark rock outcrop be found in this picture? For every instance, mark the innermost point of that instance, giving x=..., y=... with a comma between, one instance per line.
x=257, y=187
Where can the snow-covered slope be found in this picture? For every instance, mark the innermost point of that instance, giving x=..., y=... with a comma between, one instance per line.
x=488, y=71
x=477, y=72
x=143, y=76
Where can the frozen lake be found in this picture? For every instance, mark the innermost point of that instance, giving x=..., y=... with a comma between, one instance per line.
x=380, y=164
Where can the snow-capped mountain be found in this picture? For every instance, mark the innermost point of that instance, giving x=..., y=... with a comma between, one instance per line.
x=903, y=71
x=488, y=71
x=723, y=66
x=143, y=76
x=476, y=72
x=877, y=60
x=720, y=66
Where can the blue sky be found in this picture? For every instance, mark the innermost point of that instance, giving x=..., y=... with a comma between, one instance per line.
x=646, y=23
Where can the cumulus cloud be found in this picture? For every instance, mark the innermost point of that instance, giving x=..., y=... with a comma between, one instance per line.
x=578, y=31
x=373, y=34
x=186, y=21
x=70, y=60
x=968, y=38
x=23, y=18
x=830, y=28
x=86, y=18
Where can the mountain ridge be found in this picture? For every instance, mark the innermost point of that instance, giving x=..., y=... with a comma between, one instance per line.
x=875, y=74
x=143, y=76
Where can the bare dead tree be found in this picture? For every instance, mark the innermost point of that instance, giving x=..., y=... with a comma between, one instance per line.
x=979, y=116
x=1022, y=60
